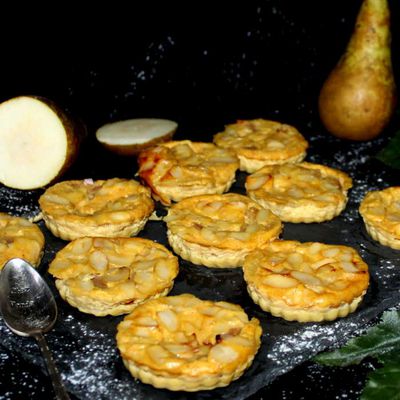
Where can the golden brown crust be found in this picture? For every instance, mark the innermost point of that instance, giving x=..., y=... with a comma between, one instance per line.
x=111, y=276
x=219, y=230
x=303, y=192
x=113, y=208
x=260, y=142
x=306, y=281
x=179, y=169
x=380, y=211
x=20, y=238
x=184, y=343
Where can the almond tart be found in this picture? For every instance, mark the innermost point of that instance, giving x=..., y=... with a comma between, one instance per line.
x=303, y=192
x=179, y=169
x=261, y=142
x=184, y=343
x=380, y=211
x=20, y=238
x=306, y=281
x=219, y=230
x=111, y=208
x=111, y=276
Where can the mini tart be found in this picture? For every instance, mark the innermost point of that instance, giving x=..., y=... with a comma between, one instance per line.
x=219, y=230
x=184, y=343
x=380, y=211
x=306, y=281
x=260, y=142
x=20, y=238
x=112, y=208
x=303, y=192
x=111, y=276
x=180, y=169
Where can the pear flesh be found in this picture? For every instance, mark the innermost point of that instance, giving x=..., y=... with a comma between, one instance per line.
x=358, y=98
x=38, y=142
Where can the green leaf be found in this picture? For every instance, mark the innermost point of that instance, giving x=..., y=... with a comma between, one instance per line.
x=390, y=155
x=384, y=383
x=376, y=342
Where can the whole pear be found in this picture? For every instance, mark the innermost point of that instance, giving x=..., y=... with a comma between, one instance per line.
x=358, y=98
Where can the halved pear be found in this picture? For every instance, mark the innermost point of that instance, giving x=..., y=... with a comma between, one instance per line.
x=131, y=136
x=38, y=142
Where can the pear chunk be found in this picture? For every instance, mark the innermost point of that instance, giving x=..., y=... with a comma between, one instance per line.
x=131, y=136
x=38, y=142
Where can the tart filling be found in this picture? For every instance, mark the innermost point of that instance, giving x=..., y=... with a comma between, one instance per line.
x=111, y=276
x=303, y=192
x=219, y=230
x=184, y=343
x=306, y=281
x=113, y=208
x=380, y=211
x=20, y=238
x=260, y=142
x=179, y=169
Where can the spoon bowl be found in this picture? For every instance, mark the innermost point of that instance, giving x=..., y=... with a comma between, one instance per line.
x=28, y=308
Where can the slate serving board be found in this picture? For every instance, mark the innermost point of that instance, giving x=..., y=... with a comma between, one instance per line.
x=84, y=345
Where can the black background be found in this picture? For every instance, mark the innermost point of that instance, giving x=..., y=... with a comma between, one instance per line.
x=202, y=64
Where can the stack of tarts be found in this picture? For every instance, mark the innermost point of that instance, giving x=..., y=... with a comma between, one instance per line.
x=182, y=342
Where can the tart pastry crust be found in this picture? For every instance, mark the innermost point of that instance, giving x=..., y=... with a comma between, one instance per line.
x=303, y=192
x=179, y=169
x=261, y=142
x=219, y=230
x=111, y=276
x=380, y=211
x=111, y=208
x=184, y=343
x=20, y=238
x=306, y=281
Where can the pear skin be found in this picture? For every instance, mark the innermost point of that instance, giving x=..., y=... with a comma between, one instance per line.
x=358, y=98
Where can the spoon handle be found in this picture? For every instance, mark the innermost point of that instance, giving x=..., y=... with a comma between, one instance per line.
x=58, y=386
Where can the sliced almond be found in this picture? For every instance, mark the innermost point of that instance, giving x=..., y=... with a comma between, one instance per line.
x=349, y=267
x=168, y=319
x=98, y=260
x=256, y=181
x=306, y=278
x=223, y=354
x=280, y=281
x=81, y=246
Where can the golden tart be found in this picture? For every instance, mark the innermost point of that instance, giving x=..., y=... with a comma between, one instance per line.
x=306, y=281
x=111, y=276
x=380, y=211
x=184, y=343
x=261, y=142
x=20, y=238
x=219, y=230
x=179, y=169
x=303, y=192
x=112, y=208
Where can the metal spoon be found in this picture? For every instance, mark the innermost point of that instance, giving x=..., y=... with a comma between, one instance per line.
x=29, y=309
